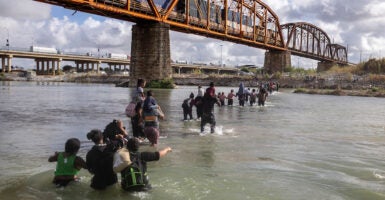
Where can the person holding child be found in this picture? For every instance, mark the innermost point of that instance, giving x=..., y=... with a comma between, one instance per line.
x=151, y=115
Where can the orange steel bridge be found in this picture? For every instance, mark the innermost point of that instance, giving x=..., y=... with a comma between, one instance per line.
x=247, y=22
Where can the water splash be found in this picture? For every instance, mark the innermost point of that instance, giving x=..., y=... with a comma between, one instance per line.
x=378, y=175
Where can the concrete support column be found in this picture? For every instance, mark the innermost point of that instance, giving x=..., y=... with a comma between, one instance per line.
x=77, y=66
x=9, y=63
x=98, y=67
x=150, y=52
x=324, y=66
x=277, y=61
x=37, y=66
x=2, y=64
x=59, y=64
x=42, y=70
x=53, y=63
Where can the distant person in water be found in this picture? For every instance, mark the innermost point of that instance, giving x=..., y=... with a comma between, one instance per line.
x=137, y=123
x=211, y=90
x=241, y=94
x=151, y=115
x=198, y=102
x=200, y=91
x=100, y=161
x=253, y=97
x=68, y=164
x=187, y=107
x=208, y=102
x=222, y=98
x=230, y=98
x=139, y=96
x=262, y=95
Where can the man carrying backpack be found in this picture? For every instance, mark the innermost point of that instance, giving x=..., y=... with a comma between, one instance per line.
x=134, y=177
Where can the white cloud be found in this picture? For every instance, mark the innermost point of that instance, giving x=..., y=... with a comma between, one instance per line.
x=24, y=10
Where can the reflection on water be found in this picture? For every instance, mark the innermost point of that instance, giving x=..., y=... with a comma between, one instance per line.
x=296, y=147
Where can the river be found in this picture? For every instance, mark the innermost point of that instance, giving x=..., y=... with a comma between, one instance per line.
x=296, y=147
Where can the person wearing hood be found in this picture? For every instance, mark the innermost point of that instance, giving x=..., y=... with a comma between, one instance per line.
x=241, y=94
x=99, y=161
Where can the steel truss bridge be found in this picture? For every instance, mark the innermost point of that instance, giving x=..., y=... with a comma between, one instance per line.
x=248, y=22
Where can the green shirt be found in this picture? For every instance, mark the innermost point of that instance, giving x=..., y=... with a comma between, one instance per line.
x=65, y=166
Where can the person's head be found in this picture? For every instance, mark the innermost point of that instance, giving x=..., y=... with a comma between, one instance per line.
x=149, y=93
x=133, y=144
x=96, y=136
x=112, y=128
x=223, y=93
x=141, y=83
x=232, y=90
x=72, y=146
x=199, y=86
x=211, y=84
x=191, y=95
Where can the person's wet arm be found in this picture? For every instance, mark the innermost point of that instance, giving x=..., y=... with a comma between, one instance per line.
x=54, y=157
x=80, y=163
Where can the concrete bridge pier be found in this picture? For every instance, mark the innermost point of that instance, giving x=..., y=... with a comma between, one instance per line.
x=277, y=61
x=6, y=63
x=150, y=52
x=325, y=65
x=47, y=66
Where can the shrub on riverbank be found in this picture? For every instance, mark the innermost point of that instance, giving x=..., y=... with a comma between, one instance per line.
x=165, y=84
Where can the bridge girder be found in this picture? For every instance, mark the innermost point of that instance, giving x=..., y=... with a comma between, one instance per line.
x=248, y=22
x=307, y=40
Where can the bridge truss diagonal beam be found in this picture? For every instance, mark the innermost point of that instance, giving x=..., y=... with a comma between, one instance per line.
x=308, y=40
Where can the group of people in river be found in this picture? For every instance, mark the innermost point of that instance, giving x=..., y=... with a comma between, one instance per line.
x=205, y=101
x=114, y=150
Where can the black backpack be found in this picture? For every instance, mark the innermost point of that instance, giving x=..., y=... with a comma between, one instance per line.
x=133, y=178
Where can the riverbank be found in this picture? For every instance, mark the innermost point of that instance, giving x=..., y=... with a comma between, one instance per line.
x=324, y=85
x=373, y=92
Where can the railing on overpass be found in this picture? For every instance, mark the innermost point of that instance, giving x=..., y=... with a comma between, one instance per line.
x=20, y=52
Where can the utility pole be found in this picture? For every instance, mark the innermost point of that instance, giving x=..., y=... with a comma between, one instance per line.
x=7, y=43
x=221, y=56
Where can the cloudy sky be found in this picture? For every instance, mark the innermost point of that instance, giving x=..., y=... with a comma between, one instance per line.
x=356, y=23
